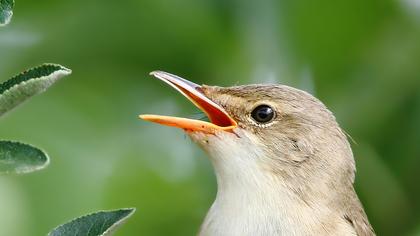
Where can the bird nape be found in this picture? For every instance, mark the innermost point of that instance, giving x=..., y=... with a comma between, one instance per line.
x=282, y=163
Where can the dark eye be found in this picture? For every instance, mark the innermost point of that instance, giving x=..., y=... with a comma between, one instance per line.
x=262, y=114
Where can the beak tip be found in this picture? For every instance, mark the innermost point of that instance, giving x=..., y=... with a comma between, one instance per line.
x=156, y=73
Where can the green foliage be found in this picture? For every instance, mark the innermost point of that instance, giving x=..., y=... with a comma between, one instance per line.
x=21, y=158
x=6, y=11
x=17, y=157
x=33, y=81
x=101, y=223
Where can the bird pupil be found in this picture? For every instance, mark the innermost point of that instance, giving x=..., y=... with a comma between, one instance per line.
x=263, y=114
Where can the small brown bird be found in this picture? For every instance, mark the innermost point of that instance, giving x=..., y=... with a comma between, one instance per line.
x=282, y=163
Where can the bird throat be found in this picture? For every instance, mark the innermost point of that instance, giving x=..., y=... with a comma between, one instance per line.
x=251, y=200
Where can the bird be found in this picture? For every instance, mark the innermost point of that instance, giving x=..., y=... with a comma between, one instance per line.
x=282, y=163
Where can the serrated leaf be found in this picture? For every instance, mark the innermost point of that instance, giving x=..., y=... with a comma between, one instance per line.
x=6, y=11
x=31, y=82
x=21, y=158
x=101, y=223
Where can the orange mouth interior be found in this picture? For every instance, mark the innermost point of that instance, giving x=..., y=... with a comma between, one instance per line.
x=219, y=119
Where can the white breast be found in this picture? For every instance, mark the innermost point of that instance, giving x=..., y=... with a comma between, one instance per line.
x=247, y=211
x=250, y=202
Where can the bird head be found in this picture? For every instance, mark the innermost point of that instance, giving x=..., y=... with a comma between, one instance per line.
x=271, y=132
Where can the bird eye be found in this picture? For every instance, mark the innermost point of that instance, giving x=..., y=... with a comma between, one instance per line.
x=262, y=114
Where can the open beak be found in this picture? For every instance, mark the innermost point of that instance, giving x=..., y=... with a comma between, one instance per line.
x=219, y=119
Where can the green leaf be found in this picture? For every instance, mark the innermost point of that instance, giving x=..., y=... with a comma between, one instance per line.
x=28, y=83
x=21, y=158
x=100, y=223
x=6, y=11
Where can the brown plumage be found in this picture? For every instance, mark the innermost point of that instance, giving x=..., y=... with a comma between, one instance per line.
x=292, y=174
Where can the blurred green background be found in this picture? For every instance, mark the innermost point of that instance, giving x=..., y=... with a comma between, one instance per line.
x=360, y=57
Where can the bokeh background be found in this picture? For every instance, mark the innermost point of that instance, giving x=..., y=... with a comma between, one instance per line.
x=360, y=57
